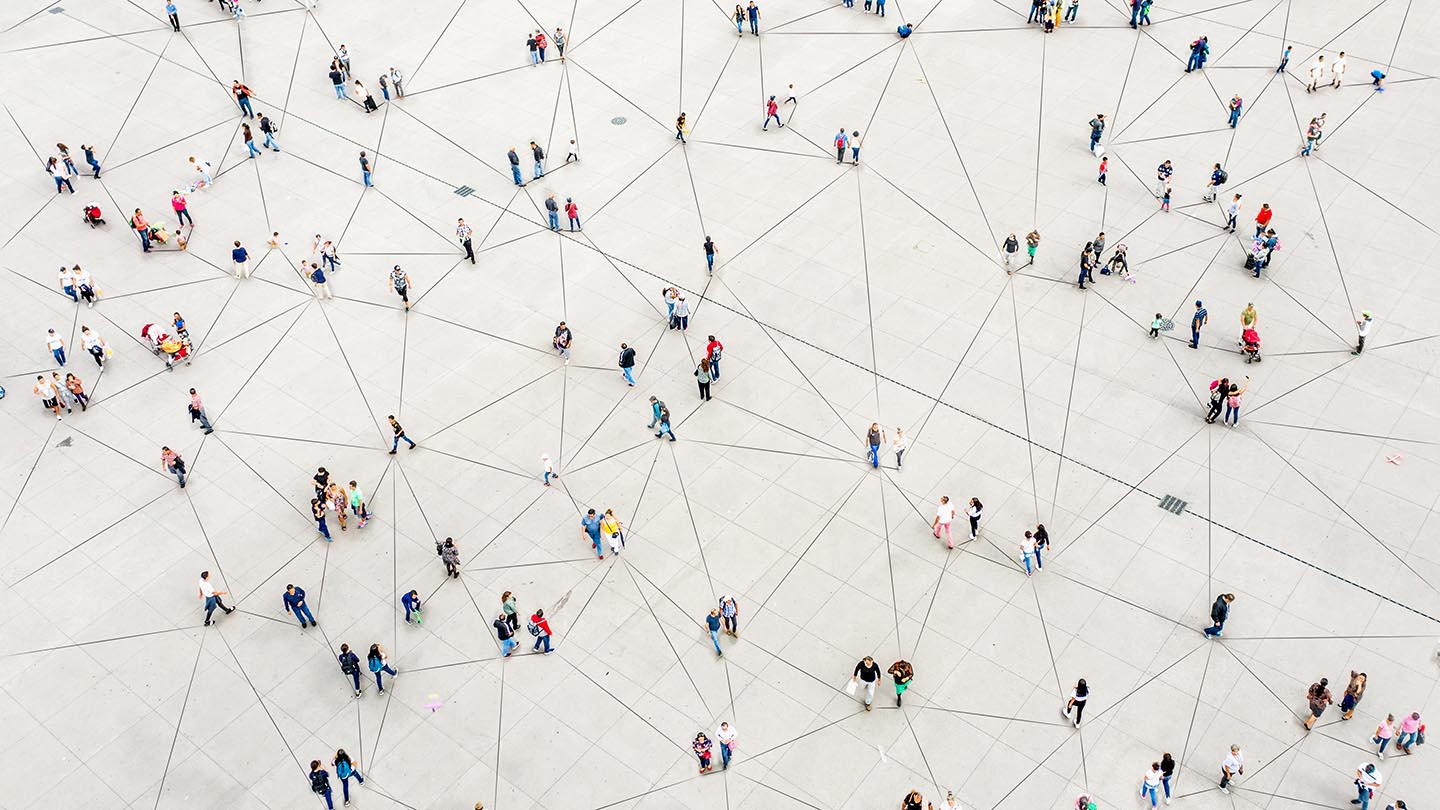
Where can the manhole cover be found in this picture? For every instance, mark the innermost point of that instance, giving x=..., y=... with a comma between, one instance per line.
x=618, y=120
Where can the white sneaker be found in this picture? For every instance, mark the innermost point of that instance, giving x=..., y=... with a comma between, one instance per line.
x=1226, y=791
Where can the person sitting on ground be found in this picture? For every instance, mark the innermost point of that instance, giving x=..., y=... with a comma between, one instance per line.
x=904, y=30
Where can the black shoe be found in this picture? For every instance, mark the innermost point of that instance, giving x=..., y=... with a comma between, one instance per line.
x=228, y=611
x=208, y=622
x=314, y=624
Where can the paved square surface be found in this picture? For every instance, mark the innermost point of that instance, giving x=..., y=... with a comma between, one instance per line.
x=843, y=295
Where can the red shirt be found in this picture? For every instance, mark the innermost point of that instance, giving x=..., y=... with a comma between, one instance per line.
x=770, y=107
x=572, y=210
x=712, y=347
x=543, y=624
x=540, y=40
x=1263, y=217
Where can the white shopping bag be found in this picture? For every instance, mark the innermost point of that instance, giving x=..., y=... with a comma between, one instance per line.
x=850, y=687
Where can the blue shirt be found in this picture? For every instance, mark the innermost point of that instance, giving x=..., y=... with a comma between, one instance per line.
x=1200, y=315
x=713, y=622
x=317, y=276
x=169, y=8
x=753, y=11
x=591, y=525
x=294, y=600
x=410, y=601
x=239, y=254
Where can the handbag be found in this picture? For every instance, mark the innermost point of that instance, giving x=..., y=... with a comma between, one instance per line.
x=850, y=687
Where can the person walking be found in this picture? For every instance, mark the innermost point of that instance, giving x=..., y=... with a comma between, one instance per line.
x=411, y=602
x=240, y=258
x=173, y=13
x=450, y=555
x=1232, y=402
x=752, y=11
x=874, y=437
x=1027, y=551
x=1318, y=697
x=294, y=599
x=510, y=610
x=1317, y=72
x=379, y=663
x=534, y=46
x=345, y=768
x=709, y=248
x=1236, y=103
x=1097, y=130
x=661, y=414
x=703, y=378
x=62, y=179
x=730, y=615
x=1008, y=249
x=701, y=746
x=944, y=516
x=1367, y=781
x=268, y=129
x=506, y=634
x=350, y=666
x=317, y=511
x=365, y=170
x=1337, y=70
x=1219, y=614
x=212, y=598
x=1198, y=320
x=611, y=528
x=1232, y=214
x=1104, y=169
x=515, y=164
x=1150, y=784
x=902, y=673
x=590, y=527
x=540, y=628
x=1362, y=330
x=1284, y=59
x=1354, y=691
x=171, y=462
x=1384, y=733
x=1218, y=178
x=319, y=777
x=400, y=282
x=868, y=673
x=728, y=739
x=842, y=141
x=399, y=435
x=1411, y=731
x=56, y=345
x=627, y=363
x=682, y=313
x=463, y=233
x=358, y=506
x=1042, y=542
x=712, y=624
x=318, y=280
x=772, y=110
x=680, y=128
x=1167, y=772
x=1232, y=766
x=1078, y=696
x=197, y=412
x=180, y=205
x=62, y=394
x=77, y=391
x=972, y=511
x=855, y=147
x=899, y=445
x=1032, y=243
x=572, y=212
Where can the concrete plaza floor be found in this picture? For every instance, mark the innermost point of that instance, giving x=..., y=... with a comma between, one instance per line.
x=844, y=295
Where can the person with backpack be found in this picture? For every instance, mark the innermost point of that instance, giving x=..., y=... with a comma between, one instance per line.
x=662, y=414
x=841, y=142
x=1218, y=178
x=345, y=768
x=350, y=666
x=539, y=627
x=902, y=672
x=505, y=633
x=450, y=555
x=378, y=662
x=730, y=615
x=1219, y=613
x=320, y=783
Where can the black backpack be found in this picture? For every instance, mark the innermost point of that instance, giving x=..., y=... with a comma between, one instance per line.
x=1219, y=610
x=348, y=664
x=319, y=782
x=1224, y=177
x=664, y=413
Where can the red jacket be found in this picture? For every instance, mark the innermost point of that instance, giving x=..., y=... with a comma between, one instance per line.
x=542, y=623
x=771, y=107
x=540, y=41
x=1263, y=218
x=572, y=210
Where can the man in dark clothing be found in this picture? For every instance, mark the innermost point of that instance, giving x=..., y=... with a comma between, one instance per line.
x=338, y=79
x=350, y=665
x=627, y=362
x=320, y=783
x=539, y=155
x=867, y=672
x=268, y=128
x=506, y=633
x=1219, y=612
x=515, y=166
x=399, y=434
x=1097, y=128
x=294, y=599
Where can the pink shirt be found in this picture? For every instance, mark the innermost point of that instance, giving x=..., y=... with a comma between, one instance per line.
x=1386, y=731
x=177, y=202
x=195, y=402
x=1409, y=725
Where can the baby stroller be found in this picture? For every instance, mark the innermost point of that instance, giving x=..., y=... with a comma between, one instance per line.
x=175, y=348
x=92, y=215
x=1250, y=345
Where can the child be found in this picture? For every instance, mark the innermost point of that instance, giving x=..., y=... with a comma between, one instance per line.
x=1104, y=167
x=1155, y=325
x=549, y=468
x=274, y=241
x=1165, y=200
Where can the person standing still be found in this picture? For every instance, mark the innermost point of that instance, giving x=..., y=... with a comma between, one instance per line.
x=868, y=673
x=727, y=738
x=364, y=165
x=944, y=516
x=1032, y=243
x=874, y=437
x=772, y=110
x=730, y=615
x=900, y=444
x=539, y=154
x=627, y=363
x=972, y=511
x=713, y=350
x=400, y=282
x=902, y=673
x=294, y=599
x=703, y=379
x=173, y=13
x=1008, y=249
x=464, y=232
x=1362, y=329
x=515, y=166
x=572, y=212
x=552, y=212
x=1199, y=319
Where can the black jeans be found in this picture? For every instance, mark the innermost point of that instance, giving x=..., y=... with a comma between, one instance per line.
x=704, y=390
x=1215, y=406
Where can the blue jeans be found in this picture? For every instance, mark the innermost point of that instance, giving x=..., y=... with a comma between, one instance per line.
x=212, y=602
x=599, y=550
x=199, y=416
x=543, y=639
x=1215, y=629
x=507, y=646
x=874, y=455
x=755, y=26
x=1035, y=14
x=395, y=445
x=366, y=173
x=340, y=91
x=1039, y=563
x=409, y=611
x=710, y=261
x=183, y=214
x=326, y=260
x=739, y=26
x=59, y=355
x=1382, y=742
x=302, y=612
x=715, y=639
x=245, y=106
x=95, y=165
x=714, y=368
x=515, y=172
x=1070, y=13
x=1234, y=118
x=1194, y=63
x=539, y=170
x=1364, y=797
x=329, y=803
x=63, y=181
x=1231, y=410
x=270, y=142
x=70, y=291
x=345, y=784
x=379, y=681
x=385, y=91
x=664, y=429
x=535, y=57
x=254, y=150
x=179, y=476
x=1149, y=790
x=880, y=7
x=1027, y=564
x=1144, y=16
x=554, y=221
x=1165, y=781
x=324, y=530
x=725, y=752
x=628, y=376
x=776, y=116
x=1134, y=14
x=1194, y=338
x=1404, y=739
x=1094, y=139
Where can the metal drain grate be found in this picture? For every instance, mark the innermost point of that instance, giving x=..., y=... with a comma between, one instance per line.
x=618, y=120
x=1170, y=503
x=57, y=10
x=464, y=191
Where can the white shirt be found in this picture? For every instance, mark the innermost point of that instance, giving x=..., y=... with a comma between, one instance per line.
x=1370, y=780
x=1235, y=208
x=67, y=278
x=945, y=512
x=549, y=466
x=972, y=511
x=901, y=443
x=1339, y=67
x=207, y=588
x=1234, y=761
x=83, y=278
x=1027, y=545
x=1317, y=70
x=1365, y=326
x=53, y=342
x=89, y=340
x=44, y=389
x=395, y=77
x=726, y=736
x=1152, y=778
